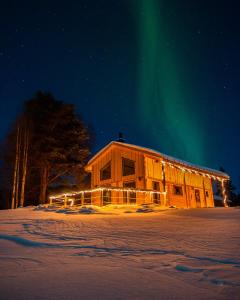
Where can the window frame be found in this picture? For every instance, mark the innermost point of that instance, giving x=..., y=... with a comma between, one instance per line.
x=177, y=187
x=124, y=159
x=104, y=168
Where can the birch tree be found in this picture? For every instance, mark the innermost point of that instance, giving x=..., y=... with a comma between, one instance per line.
x=21, y=163
x=25, y=142
x=16, y=170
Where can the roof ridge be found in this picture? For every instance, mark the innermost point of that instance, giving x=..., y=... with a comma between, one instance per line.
x=164, y=156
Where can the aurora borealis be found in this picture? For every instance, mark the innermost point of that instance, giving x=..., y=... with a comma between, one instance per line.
x=162, y=104
x=165, y=73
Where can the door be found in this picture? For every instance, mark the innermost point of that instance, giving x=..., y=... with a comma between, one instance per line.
x=129, y=197
x=106, y=197
x=197, y=198
x=156, y=188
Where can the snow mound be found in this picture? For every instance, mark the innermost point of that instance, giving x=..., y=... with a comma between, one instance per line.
x=145, y=209
x=107, y=209
x=88, y=210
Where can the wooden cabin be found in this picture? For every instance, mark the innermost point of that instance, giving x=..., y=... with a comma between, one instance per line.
x=125, y=174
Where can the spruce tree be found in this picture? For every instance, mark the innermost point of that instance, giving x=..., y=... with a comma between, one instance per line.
x=48, y=142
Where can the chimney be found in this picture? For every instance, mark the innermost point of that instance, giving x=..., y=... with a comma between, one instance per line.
x=120, y=137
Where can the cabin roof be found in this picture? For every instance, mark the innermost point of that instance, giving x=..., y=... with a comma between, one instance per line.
x=165, y=157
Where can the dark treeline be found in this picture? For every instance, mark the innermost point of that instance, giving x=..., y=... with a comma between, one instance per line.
x=232, y=194
x=45, y=151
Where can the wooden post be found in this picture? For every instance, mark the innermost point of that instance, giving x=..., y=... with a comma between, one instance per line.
x=185, y=189
x=83, y=198
x=163, y=176
x=165, y=198
x=65, y=201
x=204, y=192
x=164, y=183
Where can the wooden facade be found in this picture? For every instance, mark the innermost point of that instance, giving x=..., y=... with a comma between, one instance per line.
x=149, y=176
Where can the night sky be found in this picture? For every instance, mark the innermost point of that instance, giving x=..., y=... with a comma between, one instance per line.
x=165, y=73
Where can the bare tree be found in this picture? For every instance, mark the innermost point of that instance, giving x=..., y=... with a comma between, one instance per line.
x=24, y=162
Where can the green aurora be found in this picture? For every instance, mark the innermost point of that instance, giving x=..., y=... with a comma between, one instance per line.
x=162, y=103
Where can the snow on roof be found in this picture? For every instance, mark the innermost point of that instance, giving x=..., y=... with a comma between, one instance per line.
x=162, y=155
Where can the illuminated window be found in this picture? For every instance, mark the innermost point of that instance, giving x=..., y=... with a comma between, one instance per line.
x=128, y=167
x=177, y=190
x=105, y=172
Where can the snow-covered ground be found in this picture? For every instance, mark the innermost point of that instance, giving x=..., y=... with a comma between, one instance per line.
x=120, y=254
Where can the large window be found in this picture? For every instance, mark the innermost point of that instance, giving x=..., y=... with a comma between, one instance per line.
x=105, y=172
x=128, y=167
x=177, y=190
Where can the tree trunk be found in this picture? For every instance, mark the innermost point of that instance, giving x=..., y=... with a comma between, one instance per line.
x=16, y=171
x=18, y=167
x=24, y=165
x=44, y=184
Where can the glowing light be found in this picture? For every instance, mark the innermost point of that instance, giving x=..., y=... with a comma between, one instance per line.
x=185, y=169
x=100, y=189
x=224, y=194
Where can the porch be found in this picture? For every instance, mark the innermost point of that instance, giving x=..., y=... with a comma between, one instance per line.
x=109, y=195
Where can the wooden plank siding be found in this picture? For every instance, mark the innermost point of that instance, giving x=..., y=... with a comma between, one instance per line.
x=115, y=155
x=149, y=168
